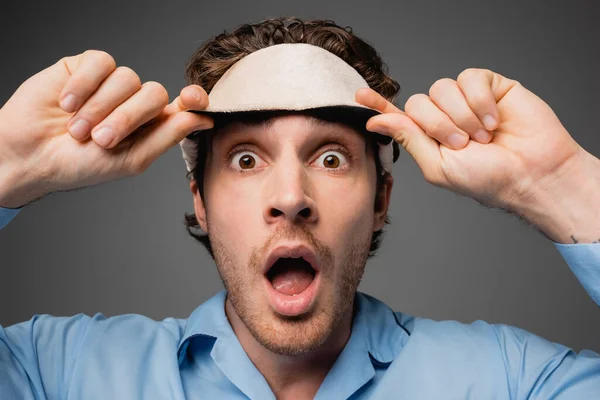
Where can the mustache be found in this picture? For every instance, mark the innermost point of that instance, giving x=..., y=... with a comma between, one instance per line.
x=291, y=233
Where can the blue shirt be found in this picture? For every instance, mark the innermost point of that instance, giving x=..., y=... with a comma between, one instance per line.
x=390, y=355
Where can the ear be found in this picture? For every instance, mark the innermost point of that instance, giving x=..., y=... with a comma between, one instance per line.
x=382, y=203
x=198, y=206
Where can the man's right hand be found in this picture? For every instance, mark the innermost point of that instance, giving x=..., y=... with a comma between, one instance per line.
x=84, y=121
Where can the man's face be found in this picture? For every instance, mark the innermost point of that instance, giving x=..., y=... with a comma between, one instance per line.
x=300, y=193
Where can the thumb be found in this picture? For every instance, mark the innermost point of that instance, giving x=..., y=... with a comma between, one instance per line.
x=171, y=127
x=422, y=148
x=158, y=138
x=192, y=97
x=395, y=123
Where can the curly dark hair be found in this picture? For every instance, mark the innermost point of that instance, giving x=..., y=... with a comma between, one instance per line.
x=217, y=55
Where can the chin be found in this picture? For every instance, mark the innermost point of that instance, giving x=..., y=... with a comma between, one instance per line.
x=293, y=336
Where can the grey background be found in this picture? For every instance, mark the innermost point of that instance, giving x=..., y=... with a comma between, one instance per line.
x=121, y=247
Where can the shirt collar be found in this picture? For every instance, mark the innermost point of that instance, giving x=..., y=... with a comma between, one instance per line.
x=376, y=340
x=208, y=320
x=379, y=328
x=376, y=326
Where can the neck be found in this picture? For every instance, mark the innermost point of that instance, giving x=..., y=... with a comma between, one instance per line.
x=292, y=377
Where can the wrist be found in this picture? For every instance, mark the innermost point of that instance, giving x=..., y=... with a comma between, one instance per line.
x=8, y=177
x=565, y=207
x=17, y=189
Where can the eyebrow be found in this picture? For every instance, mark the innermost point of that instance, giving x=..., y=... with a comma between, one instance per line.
x=266, y=120
x=312, y=123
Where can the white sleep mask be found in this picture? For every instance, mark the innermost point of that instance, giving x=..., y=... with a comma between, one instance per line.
x=290, y=77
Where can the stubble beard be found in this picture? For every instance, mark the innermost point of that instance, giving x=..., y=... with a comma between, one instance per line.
x=300, y=335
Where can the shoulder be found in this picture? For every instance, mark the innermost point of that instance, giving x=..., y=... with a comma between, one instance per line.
x=442, y=354
x=431, y=338
x=134, y=327
x=491, y=337
x=85, y=328
x=441, y=331
x=481, y=338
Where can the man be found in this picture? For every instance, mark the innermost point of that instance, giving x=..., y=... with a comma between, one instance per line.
x=292, y=206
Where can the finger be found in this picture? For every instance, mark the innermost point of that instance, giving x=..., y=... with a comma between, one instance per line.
x=157, y=139
x=448, y=97
x=192, y=97
x=118, y=87
x=422, y=148
x=370, y=98
x=435, y=122
x=87, y=70
x=483, y=89
x=144, y=105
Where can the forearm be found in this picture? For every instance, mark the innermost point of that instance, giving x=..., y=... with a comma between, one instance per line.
x=567, y=209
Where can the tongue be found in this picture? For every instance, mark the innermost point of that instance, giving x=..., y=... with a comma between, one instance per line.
x=292, y=280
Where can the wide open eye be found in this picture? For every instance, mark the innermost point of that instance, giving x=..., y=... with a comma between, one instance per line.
x=332, y=160
x=246, y=160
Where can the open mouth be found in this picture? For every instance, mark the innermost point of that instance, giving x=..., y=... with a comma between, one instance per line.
x=292, y=279
x=291, y=276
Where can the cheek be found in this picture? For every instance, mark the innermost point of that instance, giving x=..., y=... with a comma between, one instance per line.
x=234, y=212
x=346, y=207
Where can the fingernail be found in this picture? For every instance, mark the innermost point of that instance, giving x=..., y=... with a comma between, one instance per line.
x=489, y=122
x=68, y=103
x=196, y=94
x=79, y=128
x=482, y=136
x=103, y=136
x=457, y=140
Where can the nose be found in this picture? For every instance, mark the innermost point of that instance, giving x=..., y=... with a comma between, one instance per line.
x=289, y=197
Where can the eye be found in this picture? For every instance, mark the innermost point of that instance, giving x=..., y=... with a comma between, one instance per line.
x=332, y=160
x=245, y=160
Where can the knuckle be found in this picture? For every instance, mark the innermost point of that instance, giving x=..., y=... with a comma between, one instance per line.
x=101, y=57
x=438, y=127
x=121, y=121
x=469, y=122
x=469, y=74
x=128, y=76
x=93, y=111
x=440, y=86
x=67, y=61
x=478, y=101
x=157, y=91
x=413, y=102
x=78, y=83
x=466, y=73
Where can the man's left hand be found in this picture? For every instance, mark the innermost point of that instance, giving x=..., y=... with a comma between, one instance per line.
x=488, y=137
